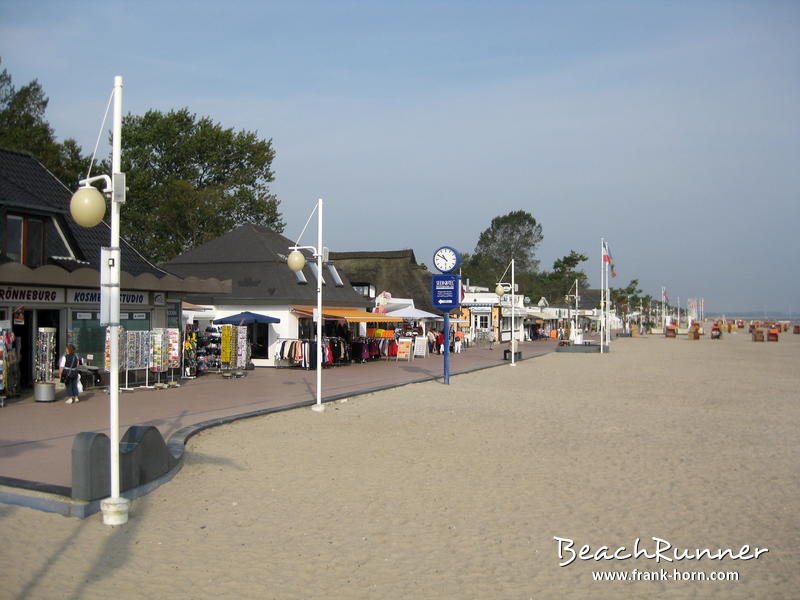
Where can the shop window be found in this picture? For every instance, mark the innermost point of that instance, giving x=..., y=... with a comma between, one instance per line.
x=89, y=338
x=142, y=323
x=24, y=240
x=34, y=256
x=305, y=327
x=259, y=340
x=13, y=239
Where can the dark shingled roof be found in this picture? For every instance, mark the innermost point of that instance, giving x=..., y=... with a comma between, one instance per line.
x=26, y=185
x=395, y=271
x=254, y=258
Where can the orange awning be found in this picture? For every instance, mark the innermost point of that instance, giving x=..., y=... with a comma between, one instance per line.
x=351, y=315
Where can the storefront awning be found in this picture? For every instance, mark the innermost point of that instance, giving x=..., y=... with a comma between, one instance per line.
x=350, y=315
x=52, y=275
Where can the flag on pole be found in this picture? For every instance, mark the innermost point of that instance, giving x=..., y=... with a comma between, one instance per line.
x=609, y=259
x=666, y=298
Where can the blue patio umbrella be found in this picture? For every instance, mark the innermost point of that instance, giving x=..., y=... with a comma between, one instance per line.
x=245, y=318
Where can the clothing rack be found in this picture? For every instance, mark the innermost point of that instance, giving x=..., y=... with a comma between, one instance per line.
x=301, y=352
x=289, y=355
x=373, y=348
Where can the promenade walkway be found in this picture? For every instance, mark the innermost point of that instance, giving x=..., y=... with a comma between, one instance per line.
x=36, y=438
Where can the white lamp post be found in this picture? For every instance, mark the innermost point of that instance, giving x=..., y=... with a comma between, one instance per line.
x=574, y=333
x=296, y=262
x=501, y=291
x=87, y=208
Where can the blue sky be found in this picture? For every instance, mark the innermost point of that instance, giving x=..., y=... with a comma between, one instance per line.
x=670, y=128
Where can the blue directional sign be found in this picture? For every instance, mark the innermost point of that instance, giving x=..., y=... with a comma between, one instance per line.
x=446, y=292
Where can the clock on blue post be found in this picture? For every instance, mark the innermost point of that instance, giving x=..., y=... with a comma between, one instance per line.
x=446, y=293
x=446, y=259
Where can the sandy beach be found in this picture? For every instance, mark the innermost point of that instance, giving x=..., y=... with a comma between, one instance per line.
x=433, y=491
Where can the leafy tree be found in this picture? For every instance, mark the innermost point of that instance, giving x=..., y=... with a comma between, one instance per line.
x=627, y=298
x=514, y=235
x=191, y=180
x=557, y=283
x=567, y=265
x=24, y=128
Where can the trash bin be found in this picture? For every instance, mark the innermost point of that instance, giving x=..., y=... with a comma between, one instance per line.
x=507, y=355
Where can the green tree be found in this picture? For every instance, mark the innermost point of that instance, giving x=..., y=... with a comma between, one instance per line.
x=23, y=128
x=514, y=235
x=627, y=298
x=556, y=284
x=191, y=180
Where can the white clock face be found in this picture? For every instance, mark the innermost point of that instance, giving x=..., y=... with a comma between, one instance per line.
x=445, y=259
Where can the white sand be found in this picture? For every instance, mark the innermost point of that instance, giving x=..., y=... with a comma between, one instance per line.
x=430, y=491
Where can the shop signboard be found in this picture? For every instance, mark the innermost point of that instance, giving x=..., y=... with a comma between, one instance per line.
x=132, y=298
x=404, y=349
x=421, y=346
x=31, y=295
x=446, y=292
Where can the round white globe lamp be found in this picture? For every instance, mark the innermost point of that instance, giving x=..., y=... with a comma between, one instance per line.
x=500, y=291
x=88, y=206
x=296, y=260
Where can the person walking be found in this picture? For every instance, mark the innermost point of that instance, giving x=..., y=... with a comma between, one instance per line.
x=459, y=336
x=68, y=373
x=431, y=340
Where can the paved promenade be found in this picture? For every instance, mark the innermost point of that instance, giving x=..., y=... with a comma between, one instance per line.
x=36, y=438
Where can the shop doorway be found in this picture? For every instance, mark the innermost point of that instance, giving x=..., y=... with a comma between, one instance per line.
x=26, y=333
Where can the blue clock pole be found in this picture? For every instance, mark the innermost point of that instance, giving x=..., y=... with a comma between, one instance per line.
x=446, y=294
x=447, y=348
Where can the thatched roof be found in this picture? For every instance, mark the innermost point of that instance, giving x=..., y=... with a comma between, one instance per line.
x=395, y=271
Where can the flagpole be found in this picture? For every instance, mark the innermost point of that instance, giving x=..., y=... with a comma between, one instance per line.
x=608, y=300
x=602, y=296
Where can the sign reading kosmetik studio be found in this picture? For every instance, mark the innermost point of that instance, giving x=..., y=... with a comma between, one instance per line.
x=31, y=295
x=93, y=297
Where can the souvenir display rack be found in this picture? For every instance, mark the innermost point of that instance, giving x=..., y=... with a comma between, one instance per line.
x=235, y=347
x=159, y=351
x=137, y=355
x=9, y=366
x=123, y=347
x=209, y=350
x=190, y=357
x=173, y=336
x=242, y=348
x=228, y=345
x=45, y=359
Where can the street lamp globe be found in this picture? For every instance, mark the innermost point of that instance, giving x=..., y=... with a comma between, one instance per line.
x=296, y=260
x=88, y=206
x=500, y=290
